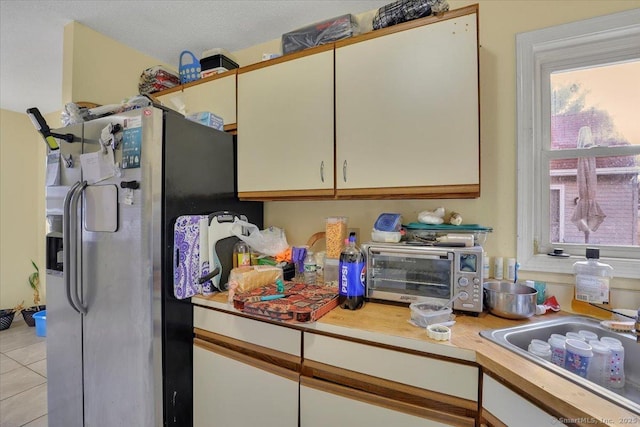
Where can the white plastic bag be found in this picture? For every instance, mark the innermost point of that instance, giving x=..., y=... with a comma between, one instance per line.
x=270, y=241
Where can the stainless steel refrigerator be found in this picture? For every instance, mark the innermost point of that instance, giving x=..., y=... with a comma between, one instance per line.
x=119, y=344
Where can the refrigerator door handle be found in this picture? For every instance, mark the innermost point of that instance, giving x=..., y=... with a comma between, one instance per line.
x=69, y=245
x=73, y=220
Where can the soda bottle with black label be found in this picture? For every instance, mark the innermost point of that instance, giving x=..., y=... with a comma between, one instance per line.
x=351, y=276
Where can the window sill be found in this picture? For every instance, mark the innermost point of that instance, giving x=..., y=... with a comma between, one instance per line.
x=624, y=268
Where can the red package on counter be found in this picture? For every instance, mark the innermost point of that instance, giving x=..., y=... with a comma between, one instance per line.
x=300, y=303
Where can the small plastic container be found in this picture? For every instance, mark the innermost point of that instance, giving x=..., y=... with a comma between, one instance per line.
x=330, y=272
x=558, y=351
x=578, y=356
x=588, y=335
x=439, y=332
x=41, y=323
x=575, y=336
x=425, y=314
x=540, y=348
x=385, y=236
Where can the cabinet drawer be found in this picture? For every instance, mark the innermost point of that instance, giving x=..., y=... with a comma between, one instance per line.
x=441, y=376
x=511, y=408
x=275, y=337
x=357, y=408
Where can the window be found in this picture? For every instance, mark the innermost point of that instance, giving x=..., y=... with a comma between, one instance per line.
x=579, y=143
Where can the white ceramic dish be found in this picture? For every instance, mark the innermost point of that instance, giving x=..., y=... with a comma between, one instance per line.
x=622, y=326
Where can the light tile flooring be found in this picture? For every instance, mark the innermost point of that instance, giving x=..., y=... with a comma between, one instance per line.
x=23, y=376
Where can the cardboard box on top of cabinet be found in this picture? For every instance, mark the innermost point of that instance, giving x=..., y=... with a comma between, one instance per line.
x=208, y=119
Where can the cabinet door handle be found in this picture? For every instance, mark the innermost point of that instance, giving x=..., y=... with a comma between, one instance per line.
x=322, y=171
x=344, y=171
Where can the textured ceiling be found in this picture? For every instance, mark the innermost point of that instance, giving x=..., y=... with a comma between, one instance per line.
x=31, y=34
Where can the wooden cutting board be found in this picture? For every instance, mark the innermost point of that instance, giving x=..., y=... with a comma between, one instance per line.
x=302, y=303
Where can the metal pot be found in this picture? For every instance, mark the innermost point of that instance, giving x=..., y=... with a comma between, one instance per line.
x=510, y=300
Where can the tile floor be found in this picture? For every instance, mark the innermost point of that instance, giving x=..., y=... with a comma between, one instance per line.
x=23, y=376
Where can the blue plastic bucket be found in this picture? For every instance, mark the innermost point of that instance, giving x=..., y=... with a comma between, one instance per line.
x=41, y=323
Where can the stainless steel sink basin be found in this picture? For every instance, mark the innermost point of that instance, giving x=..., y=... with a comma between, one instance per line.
x=517, y=339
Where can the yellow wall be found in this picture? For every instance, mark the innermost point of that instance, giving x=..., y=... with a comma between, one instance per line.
x=99, y=69
x=22, y=153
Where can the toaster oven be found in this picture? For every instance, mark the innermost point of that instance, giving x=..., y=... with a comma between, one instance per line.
x=409, y=273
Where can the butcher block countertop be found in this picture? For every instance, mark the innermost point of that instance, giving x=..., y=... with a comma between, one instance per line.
x=387, y=325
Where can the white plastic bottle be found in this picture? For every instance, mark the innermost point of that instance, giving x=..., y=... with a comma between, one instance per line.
x=616, y=362
x=592, y=284
x=310, y=267
x=558, y=351
x=498, y=267
x=599, y=370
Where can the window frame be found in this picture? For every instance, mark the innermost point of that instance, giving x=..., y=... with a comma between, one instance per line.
x=606, y=39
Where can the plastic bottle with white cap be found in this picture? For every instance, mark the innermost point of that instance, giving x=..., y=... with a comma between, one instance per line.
x=557, y=343
x=598, y=370
x=616, y=366
x=540, y=348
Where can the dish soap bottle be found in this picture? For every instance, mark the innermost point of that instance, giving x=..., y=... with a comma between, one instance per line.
x=592, y=285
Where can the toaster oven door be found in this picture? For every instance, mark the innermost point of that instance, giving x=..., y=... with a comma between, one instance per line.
x=409, y=275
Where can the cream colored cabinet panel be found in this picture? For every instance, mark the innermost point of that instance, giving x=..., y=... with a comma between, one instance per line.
x=320, y=408
x=511, y=408
x=285, y=125
x=407, y=108
x=229, y=392
x=264, y=334
x=217, y=96
x=441, y=376
x=168, y=100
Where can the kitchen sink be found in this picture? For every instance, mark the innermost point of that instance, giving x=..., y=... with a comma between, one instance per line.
x=517, y=339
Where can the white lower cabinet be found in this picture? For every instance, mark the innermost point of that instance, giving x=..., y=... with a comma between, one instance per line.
x=321, y=408
x=248, y=372
x=368, y=385
x=245, y=372
x=229, y=392
x=502, y=406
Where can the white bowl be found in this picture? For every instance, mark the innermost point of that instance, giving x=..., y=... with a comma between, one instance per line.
x=632, y=313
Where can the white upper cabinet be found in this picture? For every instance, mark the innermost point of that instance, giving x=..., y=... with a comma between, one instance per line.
x=407, y=115
x=285, y=125
x=217, y=95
